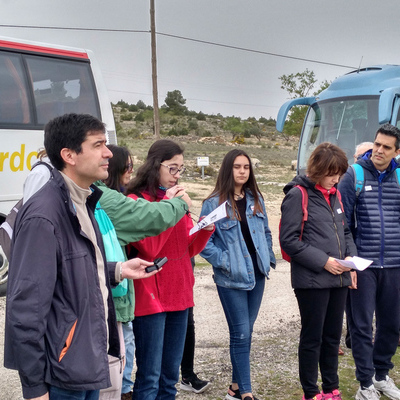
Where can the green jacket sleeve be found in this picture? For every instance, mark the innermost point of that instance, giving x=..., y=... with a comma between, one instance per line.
x=136, y=219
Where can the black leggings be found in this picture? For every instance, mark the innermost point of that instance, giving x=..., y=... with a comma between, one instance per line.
x=321, y=312
x=188, y=352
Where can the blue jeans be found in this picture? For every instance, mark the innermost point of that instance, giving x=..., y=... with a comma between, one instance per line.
x=241, y=309
x=56, y=393
x=129, y=340
x=159, y=339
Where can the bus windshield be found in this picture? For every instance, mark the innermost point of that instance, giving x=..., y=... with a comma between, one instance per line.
x=345, y=122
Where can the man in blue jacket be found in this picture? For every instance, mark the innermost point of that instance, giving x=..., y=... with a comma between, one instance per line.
x=60, y=317
x=373, y=215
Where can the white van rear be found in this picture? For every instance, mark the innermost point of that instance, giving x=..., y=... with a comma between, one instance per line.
x=37, y=83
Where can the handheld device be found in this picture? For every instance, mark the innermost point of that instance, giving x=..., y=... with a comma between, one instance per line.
x=158, y=263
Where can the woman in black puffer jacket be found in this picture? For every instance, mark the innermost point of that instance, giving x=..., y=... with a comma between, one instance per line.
x=319, y=282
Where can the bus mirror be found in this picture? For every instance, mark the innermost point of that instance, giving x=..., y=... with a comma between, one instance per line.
x=284, y=110
x=386, y=104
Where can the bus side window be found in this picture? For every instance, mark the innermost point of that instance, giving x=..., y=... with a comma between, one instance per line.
x=60, y=87
x=14, y=104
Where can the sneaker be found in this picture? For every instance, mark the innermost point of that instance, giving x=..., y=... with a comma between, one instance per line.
x=233, y=394
x=250, y=398
x=369, y=393
x=316, y=397
x=387, y=387
x=194, y=384
x=334, y=395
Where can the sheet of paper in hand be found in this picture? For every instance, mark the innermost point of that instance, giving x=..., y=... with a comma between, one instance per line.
x=357, y=263
x=214, y=216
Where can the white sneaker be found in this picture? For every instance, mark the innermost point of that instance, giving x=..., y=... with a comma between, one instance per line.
x=369, y=393
x=388, y=388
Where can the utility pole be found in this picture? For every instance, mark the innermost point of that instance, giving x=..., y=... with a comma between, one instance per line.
x=156, y=116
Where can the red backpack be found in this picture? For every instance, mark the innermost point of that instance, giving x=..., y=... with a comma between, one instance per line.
x=304, y=205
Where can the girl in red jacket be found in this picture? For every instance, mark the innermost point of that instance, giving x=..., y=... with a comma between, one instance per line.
x=162, y=304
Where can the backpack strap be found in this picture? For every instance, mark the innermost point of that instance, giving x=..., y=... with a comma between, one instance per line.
x=304, y=206
x=358, y=178
x=398, y=175
x=40, y=162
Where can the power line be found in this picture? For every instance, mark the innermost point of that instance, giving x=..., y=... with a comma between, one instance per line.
x=183, y=38
x=255, y=51
x=63, y=28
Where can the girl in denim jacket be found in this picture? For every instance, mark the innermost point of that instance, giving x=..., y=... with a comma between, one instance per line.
x=240, y=251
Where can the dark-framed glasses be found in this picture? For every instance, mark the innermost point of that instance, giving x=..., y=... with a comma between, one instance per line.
x=174, y=170
x=129, y=167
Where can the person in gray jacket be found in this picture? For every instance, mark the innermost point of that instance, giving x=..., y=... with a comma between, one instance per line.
x=60, y=318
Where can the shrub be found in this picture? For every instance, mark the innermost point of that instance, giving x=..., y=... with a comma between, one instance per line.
x=118, y=128
x=238, y=139
x=208, y=170
x=193, y=125
x=122, y=104
x=148, y=114
x=140, y=104
x=178, y=132
x=253, y=130
x=126, y=117
x=134, y=133
x=139, y=117
x=201, y=116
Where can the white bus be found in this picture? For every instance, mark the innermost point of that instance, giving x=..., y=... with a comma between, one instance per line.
x=37, y=83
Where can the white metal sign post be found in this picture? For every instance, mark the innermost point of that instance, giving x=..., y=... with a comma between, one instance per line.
x=202, y=162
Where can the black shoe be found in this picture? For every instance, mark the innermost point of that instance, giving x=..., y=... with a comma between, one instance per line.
x=233, y=394
x=194, y=384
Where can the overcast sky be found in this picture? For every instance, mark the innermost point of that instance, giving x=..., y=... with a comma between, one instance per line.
x=212, y=78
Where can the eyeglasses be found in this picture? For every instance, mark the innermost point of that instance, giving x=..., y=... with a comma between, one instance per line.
x=129, y=167
x=174, y=170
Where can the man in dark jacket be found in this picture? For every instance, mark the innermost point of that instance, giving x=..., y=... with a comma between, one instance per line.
x=60, y=318
x=374, y=218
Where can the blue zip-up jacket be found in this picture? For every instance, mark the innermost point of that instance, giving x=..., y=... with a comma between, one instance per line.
x=227, y=252
x=55, y=330
x=374, y=216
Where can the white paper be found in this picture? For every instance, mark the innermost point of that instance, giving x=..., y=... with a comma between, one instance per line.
x=214, y=216
x=357, y=263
